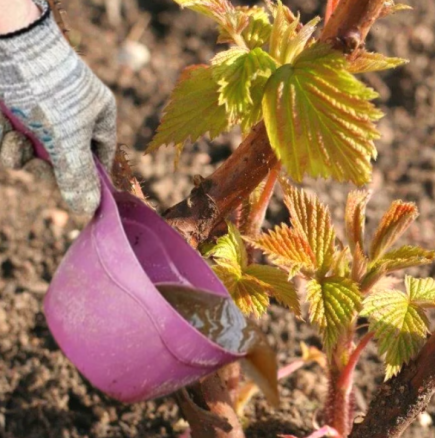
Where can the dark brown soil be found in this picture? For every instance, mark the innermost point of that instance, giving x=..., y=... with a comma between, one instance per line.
x=41, y=394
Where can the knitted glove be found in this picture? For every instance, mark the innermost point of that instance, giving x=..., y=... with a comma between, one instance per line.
x=55, y=95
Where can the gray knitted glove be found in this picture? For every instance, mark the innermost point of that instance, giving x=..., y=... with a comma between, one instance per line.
x=56, y=96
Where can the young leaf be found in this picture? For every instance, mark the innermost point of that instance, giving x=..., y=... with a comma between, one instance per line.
x=257, y=31
x=284, y=29
x=230, y=251
x=359, y=265
x=234, y=71
x=354, y=217
x=399, y=321
x=393, y=224
x=278, y=285
x=420, y=290
x=402, y=258
x=293, y=47
x=288, y=249
x=368, y=61
x=319, y=119
x=333, y=304
x=193, y=110
x=312, y=220
x=248, y=292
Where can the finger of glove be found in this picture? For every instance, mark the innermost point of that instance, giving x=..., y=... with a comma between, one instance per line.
x=16, y=150
x=41, y=170
x=77, y=179
x=104, y=133
x=5, y=126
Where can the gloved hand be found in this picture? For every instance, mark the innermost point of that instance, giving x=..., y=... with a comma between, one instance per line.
x=56, y=96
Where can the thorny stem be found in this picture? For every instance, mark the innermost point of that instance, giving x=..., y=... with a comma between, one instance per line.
x=339, y=410
x=401, y=399
x=330, y=8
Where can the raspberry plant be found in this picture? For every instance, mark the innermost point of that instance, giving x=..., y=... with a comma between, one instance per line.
x=320, y=122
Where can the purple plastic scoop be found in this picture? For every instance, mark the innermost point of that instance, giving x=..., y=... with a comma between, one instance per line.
x=105, y=312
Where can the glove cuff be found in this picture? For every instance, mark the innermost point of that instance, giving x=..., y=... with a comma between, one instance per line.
x=45, y=13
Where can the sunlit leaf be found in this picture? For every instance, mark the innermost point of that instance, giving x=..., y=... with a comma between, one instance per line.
x=319, y=119
x=192, y=111
x=235, y=72
x=313, y=221
x=367, y=61
x=399, y=322
x=340, y=263
x=293, y=47
x=280, y=286
x=393, y=224
x=284, y=29
x=287, y=248
x=257, y=31
x=230, y=251
x=420, y=290
x=249, y=294
x=401, y=258
x=355, y=216
x=359, y=264
x=333, y=305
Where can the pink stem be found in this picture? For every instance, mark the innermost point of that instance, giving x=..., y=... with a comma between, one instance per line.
x=290, y=368
x=330, y=8
x=346, y=378
x=258, y=212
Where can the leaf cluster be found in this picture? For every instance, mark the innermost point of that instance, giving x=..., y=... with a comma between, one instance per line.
x=318, y=116
x=341, y=282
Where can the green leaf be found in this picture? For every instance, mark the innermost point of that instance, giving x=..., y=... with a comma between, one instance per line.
x=257, y=31
x=393, y=224
x=235, y=72
x=192, y=111
x=355, y=216
x=319, y=119
x=402, y=258
x=420, y=290
x=284, y=29
x=288, y=249
x=367, y=62
x=278, y=285
x=230, y=251
x=293, y=47
x=334, y=303
x=248, y=293
x=312, y=220
x=399, y=322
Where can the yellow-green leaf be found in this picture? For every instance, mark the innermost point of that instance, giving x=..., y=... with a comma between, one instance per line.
x=248, y=293
x=334, y=302
x=312, y=220
x=399, y=323
x=235, y=71
x=420, y=290
x=393, y=224
x=284, y=29
x=230, y=252
x=257, y=31
x=368, y=61
x=319, y=117
x=192, y=111
x=288, y=249
x=279, y=285
x=401, y=258
x=354, y=217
